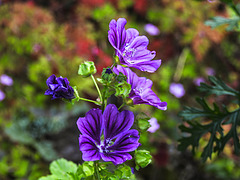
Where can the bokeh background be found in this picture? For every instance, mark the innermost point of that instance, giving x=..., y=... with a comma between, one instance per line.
x=40, y=37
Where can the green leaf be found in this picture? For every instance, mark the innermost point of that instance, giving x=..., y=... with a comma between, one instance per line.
x=218, y=21
x=46, y=150
x=123, y=172
x=88, y=168
x=142, y=158
x=189, y=113
x=234, y=119
x=17, y=134
x=213, y=119
x=61, y=168
x=49, y=177
x=218, y=88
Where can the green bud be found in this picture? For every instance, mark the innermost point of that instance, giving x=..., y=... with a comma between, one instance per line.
x=87, y=69
x=107, y=74
x=142, y=158
x=142, y=120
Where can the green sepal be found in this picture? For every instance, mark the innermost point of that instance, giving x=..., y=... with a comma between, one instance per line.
x=122, y=89
x=121, y=77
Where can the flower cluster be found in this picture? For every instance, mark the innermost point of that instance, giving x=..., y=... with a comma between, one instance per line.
x=105, y=133
x=132, y=51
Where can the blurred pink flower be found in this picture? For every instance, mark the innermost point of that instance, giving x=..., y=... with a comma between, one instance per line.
x=198, y=81
x=210, y=71
x=154, y=125
x=177, y=90
x=151, y=29
x=211, y=1
x=36, y=48
x=2, y=95
x=6, y=80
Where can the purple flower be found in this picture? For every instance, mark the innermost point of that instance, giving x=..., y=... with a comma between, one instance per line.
x=59, y=88
x=36, y=48
x=210, y=71
x=2, y=95
x=177, y=90
x=154, y=125
x=115, y=128
x=198, y=81
x=6, y=80
x=141, y=92
x=131, y=48
x=211, y=1
x=151, y=29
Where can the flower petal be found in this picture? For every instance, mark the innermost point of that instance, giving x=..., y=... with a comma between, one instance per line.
x=117, y=33
x=148, y=66
x=143, y=55
x=89, y=149
x=92, y=124
x=51, y=80
x=140, y=42
x=115, y=122
x=150, y=98
x=126, y=142
x=116, y=158
x=131, y=33
x=63, y=81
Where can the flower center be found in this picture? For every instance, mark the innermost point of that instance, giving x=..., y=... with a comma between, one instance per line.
x=139, y=90
x=103, y=147
x=128, y=52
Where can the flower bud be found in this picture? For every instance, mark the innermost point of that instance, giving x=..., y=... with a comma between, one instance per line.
x=87, y=68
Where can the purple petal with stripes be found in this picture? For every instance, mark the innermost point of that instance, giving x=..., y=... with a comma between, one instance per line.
x=89, y=149
x=116, y=158
x=92, y=124
x=115, y=122
x=117, y=33
x=126, y=142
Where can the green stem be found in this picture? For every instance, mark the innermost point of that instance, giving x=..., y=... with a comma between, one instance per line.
x=98, y=90
x=83, y=99
x=96, y=170
x=123, y=104
x=180, y=65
